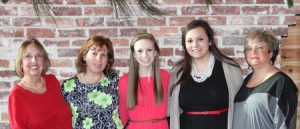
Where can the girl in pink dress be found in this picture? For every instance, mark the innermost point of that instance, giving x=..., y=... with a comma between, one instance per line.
x=143, y=91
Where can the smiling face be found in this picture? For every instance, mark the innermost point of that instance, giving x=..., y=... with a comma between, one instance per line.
x=32, y=61
x=197, y=43
x=258, y=54
x=144, y=52
x=96, y=59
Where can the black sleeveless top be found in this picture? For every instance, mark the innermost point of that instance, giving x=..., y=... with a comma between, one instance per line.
x=210, y=95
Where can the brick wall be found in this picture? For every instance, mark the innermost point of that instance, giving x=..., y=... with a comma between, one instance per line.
x=231, y=20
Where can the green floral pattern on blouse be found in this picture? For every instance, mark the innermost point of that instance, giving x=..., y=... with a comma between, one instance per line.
x=69, y=85
x=105, y=82
x=100, y=98
x=117, y=120
x=87, y=123
x=94, y=106
x=103, y=100
x=74, y=114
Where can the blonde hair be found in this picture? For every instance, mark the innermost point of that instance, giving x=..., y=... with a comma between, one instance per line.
x=21, y=54
x=134, y=75
x=268, y=38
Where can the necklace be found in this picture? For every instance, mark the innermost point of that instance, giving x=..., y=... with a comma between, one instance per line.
x=36, y=87
x=85, y=82
x=202, y=76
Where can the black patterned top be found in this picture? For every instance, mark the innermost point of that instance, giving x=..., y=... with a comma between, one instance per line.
x=94, y=106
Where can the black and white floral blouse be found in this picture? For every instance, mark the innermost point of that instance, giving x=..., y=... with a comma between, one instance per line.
x=94, y=106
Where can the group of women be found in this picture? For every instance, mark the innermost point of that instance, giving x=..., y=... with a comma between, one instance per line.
x=204, y=90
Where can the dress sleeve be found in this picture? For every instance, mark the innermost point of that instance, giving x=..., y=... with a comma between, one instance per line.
x=16, y=112
x=123, y=95
x=286, y=115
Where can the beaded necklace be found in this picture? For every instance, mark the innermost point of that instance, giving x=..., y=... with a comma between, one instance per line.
x=36, y=87
x=202, y=76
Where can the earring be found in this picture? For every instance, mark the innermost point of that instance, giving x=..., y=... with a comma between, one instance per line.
x=249, y=69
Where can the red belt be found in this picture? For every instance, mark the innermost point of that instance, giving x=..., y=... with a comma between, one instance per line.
x=215, y=112
x=149, y=121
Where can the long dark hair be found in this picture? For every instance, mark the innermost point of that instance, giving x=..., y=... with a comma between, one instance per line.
x=134, y=74
x=185, y=63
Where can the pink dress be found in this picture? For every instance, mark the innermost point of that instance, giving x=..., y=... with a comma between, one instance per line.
x=146, y=109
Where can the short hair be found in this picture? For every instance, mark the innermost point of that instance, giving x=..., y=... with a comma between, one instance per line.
x=98, y=41
x=268, y=38
x=21, y=54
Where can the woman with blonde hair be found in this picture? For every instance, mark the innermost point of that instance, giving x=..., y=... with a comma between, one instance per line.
x=143, y=91
x=36, y=101
x=268, y=97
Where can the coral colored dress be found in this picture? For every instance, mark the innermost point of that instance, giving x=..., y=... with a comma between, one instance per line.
x=146, y=109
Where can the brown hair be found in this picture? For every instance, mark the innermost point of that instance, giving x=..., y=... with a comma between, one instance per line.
x=21, y=54
x=98, y=41
x=134, y=75
x=187, y=59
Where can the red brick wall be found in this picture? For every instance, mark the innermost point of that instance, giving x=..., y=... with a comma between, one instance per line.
x=231, y=20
